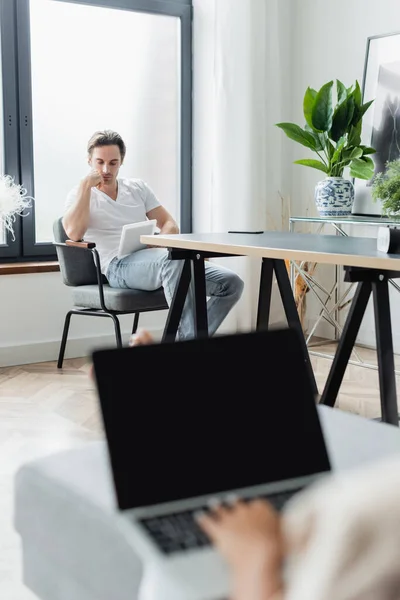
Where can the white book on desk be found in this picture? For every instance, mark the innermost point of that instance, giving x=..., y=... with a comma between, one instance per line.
x=130, y=236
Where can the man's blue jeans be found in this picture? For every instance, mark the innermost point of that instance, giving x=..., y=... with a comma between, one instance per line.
x=150, y=269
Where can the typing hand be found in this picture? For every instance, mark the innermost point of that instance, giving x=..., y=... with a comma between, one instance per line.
x=248, y=535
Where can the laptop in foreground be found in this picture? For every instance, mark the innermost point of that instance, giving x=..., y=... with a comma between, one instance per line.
x=190, y=422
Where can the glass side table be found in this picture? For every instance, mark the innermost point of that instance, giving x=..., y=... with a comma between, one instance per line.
x=323, y=295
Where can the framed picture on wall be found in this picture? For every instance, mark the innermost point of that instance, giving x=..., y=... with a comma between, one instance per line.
x=381, y=122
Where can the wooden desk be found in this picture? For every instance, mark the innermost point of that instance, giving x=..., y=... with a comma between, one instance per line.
x=363, y=264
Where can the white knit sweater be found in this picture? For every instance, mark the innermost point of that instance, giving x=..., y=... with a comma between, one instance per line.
x=344, y=536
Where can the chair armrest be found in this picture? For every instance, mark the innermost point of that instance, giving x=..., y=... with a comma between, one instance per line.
x=87, y=245
x=71, y=243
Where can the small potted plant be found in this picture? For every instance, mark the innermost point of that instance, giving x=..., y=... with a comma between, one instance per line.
x=386, y=188
x=333, y=131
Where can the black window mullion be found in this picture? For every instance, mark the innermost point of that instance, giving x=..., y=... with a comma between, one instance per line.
x=30, y=246
x=186, y=121
x=13, y=247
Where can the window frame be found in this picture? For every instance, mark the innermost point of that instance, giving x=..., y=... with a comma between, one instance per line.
x=17, y=102
x=8, y=30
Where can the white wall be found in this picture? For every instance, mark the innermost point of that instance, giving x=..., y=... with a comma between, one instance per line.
x=33, y=309
x=329, y=42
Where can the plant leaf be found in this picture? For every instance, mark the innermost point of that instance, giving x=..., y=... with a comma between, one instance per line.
x=330, y=148
x=322, y=111
x=341, y=143
x=341, y=119
x=308, y=105
x=354, y=138
x=356, y=153
x=319, y=144
x=337, y=154
x=315, y=164
x=359, y=111
x=367, y=150
x=365, y=107
x=296, y=133
x=368, y=161
x=341, y=92
x=356, y=94
x=361, y=169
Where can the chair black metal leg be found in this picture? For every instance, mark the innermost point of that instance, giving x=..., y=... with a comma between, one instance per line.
x=384, y=347
x=346, y=343
x=64, y=339
x=292, y=315
x=135, y=323
x=178, y=301
x=117, y=328
x=264, y=295
x=200, y=297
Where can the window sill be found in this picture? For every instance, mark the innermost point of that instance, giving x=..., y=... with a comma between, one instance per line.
x=29, y=267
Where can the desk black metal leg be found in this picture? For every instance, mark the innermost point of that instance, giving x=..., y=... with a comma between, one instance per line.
x=178, y=301
x=264, y=295
x=384, y=347
x=291, y=313
x=346, y=343
x=200, y=297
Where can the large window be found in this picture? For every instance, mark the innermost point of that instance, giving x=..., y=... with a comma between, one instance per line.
x=2, y=167
x=72, y=68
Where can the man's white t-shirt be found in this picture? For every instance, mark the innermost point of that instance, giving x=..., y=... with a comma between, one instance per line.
x=107, y=217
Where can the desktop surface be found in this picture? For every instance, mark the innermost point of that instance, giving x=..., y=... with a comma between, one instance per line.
x=328, y=249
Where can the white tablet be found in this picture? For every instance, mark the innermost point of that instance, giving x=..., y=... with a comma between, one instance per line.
x=130, y=236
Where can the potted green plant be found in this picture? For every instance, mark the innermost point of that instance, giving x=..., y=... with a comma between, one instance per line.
x=386, y=188
x=333, y=131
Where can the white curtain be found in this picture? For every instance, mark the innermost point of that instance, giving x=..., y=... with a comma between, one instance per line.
x=239, y=55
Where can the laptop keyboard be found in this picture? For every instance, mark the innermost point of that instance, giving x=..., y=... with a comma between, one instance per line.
x=179, y=531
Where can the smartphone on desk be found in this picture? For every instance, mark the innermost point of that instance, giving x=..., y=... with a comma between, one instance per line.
x=245, y=232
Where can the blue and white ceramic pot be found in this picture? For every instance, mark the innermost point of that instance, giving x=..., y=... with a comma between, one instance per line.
x=334, y=197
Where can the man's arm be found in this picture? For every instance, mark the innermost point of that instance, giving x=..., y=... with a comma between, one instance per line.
x=76, y=218
x=165, y=221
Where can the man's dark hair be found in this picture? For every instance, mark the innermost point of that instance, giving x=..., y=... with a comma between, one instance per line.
x=106, y=138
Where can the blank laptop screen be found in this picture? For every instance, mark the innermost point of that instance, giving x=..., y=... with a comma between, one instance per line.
x=203, y=416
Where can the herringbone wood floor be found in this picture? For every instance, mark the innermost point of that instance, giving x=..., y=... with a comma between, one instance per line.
x=43, y=410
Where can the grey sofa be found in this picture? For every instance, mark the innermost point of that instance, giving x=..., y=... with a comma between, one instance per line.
x=76, y=544
x=73, y=546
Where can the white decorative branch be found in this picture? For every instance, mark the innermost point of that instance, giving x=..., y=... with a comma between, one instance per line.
x=13, y=202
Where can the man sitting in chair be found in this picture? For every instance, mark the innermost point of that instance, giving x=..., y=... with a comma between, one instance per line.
x=102, y=203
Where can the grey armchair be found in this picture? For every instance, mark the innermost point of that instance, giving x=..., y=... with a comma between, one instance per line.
x=91, y=294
